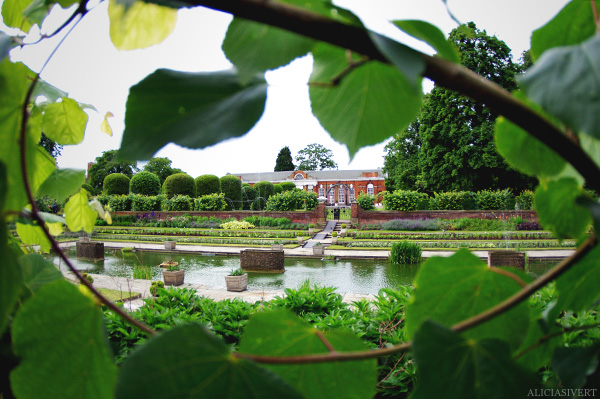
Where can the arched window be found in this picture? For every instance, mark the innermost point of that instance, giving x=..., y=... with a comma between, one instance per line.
x=370, y=190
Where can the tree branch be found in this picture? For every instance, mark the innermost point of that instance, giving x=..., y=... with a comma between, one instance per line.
x=444, y=73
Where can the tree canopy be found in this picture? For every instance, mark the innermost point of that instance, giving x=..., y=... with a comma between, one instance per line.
x=107, y=164
x=161, y=167
x=315, y=157
x=450, y=146
x=284, y=160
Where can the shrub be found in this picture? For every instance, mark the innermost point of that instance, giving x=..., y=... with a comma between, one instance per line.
x=231, y=187
x=292, y=200
x=307, y=200
x=103, y=199
x=88, y=188
x=528, y=226
x=142, y=203
x=277, y=189
x=48, y=204
x=525, y=200
x=179, y=184
x=179, y=203
x=287, y=186
x=237, y=225
x=207, y=184
x=155, y=285
x=366, y=202
x=116, y=184
x=210, y=202
x=401, y=200
x=453, y=200
x=405, y=252
x=412, y=225
x=248, y=196
x=264, y=189
x=120, y=202
x=495, y=200
x=145, y=183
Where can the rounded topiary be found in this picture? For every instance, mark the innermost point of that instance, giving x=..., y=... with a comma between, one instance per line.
x=145, y=183
x=264, y=189
x=207, y=184
x=179, y=184
x=248, y=196
x=277, y=189
x=116, y=184
x=88, y=188
x=287, y=186
x=231, y=187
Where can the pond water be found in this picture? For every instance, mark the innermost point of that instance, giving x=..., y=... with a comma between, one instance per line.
x=356, y=275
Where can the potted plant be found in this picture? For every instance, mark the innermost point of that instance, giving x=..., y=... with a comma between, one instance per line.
x=236, y=280
x=334, y=237
x=277, y=246
x=173, y=276
x=168, y=264
x=154, y=286
x=311, y=229
x=318, y=249
x=343, y=231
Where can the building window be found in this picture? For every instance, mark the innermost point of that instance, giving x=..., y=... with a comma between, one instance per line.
x=298, y=176
x=370, y=190
x=321, y=191
x=341, y=195
x=351, y=195
x=331, y=198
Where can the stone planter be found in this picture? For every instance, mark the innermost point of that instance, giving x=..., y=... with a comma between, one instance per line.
x=318, y=250
x=311, y=231
x=277, y=247
x=343, y=233
x=334, y=240
x=300, y=240
x=170, y=245
x=174, y=277
x=237, y=283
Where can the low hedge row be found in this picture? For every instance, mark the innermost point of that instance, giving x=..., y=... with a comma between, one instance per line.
x=144, y=203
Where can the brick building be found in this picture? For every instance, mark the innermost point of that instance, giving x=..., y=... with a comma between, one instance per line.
x=333, y=186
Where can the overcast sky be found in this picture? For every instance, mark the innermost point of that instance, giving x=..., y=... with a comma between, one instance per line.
x=92, y=71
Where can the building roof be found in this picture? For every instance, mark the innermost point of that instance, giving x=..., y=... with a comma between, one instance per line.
x=319, y=175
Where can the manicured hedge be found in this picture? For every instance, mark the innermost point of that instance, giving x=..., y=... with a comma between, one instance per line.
x=231, y=187
x=177, y=203
x=454, y=200
x=207, y=184
x=120, y=202
x=116, y=184
x=143, y=203
x=145, y=183
x=248, y=196
x=525, y=200
x=277, y=189
x=210, y=202
x=264, y=189
x=402, y=200
x=179, y=184
x=287, y=186
x=292, y=200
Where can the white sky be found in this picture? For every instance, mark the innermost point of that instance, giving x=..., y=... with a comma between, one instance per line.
x=92, y=71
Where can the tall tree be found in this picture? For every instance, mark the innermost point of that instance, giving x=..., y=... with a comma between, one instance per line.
x=315, y=156
x=454, y=135
x=106, y=165
x=284, y=160
x=161, y=167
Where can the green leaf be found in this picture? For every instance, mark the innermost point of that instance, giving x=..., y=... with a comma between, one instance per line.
x=64, y=122
x=451, y=366
x=139, y=25
x=536, y=351
x=11, y=278
x=431, y=35
x=51, y=93
x=370, y=103
x=33, y=235
x=194, y=110
x=61, y=329
x=281, y=333
x=574, y=365
x=572, y=25
x=5, y=45
x=409, y=62
x=254, y=47
x=61, y=184
x=555, y=203
x=450, y=290
x=13, y=14
x=190, y=362
x=578, y=286
x=38, y=271
x=562, y=83
x=78, y=213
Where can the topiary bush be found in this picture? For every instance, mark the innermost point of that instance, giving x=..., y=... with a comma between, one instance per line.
x=88, y=188
x=145, y=183
x=495, y=200
x=403, y=200
x=287, y=186
x=524, y=201
x=178, y=203
x=179, y=184
x=231, y=187
x=210, y=202
x=115, y=184
x=248, y=196
x=277, y=189
x=207, y=184
x=366, y=202
x=264, y=189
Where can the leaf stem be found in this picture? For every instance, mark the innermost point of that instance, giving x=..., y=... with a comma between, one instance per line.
x=595, y=12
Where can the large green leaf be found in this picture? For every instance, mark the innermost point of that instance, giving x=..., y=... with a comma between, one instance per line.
x=33, y=235
x=451, y=366
x=62, y=183
x=565, y=84
x=37, y=271
x=449, y=290
x=578, y=286
x=254, y=47
x=574, y=365
x=281, y=333
x=555, y=203
x=572, y=25
x=11, y=278
x=5, y=45
x=536, y=349
x=136, y=25
x=58, y=335
x=194, y=110
x=432, y=35
x=64, y=122
x=370, y=103
x=78, y=213
x=190, y=362
x=13, y=14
